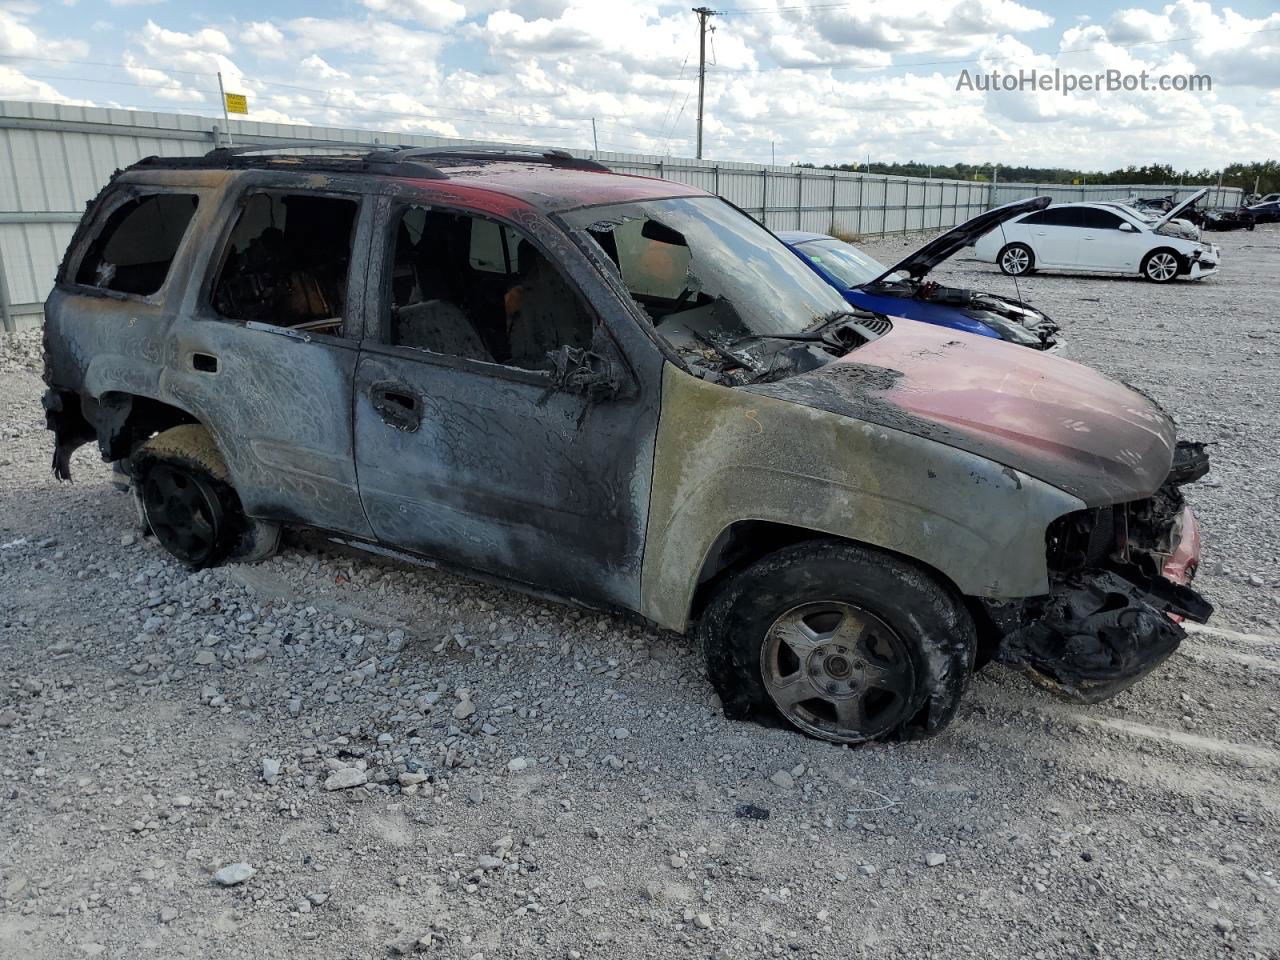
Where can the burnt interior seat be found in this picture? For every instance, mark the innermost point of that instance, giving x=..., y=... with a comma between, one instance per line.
x=550, y=315
x=441, y=327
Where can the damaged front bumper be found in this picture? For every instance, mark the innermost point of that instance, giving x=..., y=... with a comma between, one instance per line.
x=1117, y=596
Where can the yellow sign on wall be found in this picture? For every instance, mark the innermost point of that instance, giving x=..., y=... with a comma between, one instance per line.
x=237, y=103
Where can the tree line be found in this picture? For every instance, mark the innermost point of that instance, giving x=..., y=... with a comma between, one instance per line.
x=1243, y=175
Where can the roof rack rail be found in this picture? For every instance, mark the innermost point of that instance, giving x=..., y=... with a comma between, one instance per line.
x=554, y=157
x=229, y=156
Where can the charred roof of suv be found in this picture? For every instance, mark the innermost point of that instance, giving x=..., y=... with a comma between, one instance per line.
x=419, y=162
x=546, y=179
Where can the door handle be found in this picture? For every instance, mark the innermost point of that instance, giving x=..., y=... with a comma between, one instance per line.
x=397, y=405
x=204, y=363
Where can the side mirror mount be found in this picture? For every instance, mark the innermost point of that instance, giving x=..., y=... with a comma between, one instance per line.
x=596, y=372
x=1127, y=227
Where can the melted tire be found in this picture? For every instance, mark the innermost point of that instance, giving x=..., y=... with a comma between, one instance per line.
x=938, y=631
x=189, y=451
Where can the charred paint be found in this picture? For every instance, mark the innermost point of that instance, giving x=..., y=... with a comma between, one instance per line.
x=726, y=455
x=1058, y=421
x=959, y=454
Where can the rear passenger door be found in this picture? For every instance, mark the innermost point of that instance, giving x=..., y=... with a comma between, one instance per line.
x=470, y=446
x=268, y=358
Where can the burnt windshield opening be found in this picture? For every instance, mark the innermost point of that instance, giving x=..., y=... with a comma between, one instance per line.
x=729, y=297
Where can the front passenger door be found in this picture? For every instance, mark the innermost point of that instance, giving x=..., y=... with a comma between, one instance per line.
x=470, y=446
x=1105, y=245
x=1055, y=235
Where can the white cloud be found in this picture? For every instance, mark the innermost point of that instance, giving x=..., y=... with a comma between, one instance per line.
x=1233, y=48
x=162, y=84
x=17, y=39
x=15, y=85
x=265, y=36
x=809, y=79
x=387, y=43
x=430, y=13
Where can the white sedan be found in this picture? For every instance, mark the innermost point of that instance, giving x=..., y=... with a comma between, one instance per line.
x=1099, y=238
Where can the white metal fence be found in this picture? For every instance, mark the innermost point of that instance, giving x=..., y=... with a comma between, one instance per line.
x=58, y=157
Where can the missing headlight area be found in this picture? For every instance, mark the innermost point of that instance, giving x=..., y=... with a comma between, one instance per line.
x=1118, y=590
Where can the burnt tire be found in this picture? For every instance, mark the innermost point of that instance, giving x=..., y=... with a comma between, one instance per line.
x=844, y=622
x=1016, y=259
x=1161, y=265
x=186, y=500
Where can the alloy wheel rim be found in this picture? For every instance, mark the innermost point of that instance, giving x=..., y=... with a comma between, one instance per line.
x=183, y=513
x=1162, y=266
x=838, y=671
x=1015, y=261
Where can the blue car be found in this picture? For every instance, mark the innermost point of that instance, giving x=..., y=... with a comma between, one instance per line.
x=903, y=291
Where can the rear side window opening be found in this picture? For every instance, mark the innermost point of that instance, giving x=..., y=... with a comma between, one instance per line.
x=286, y=262
x=135, y=247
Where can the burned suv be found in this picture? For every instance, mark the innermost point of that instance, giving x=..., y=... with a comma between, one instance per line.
x=625, y=393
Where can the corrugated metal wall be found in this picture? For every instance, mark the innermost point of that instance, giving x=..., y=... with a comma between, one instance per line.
x=58, y=157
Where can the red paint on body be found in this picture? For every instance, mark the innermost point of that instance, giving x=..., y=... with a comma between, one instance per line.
x=1025, y=401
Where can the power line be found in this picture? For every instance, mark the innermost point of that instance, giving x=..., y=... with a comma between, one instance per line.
x=675, y=92
x=1048, y=53
x=563, y=123
x=751, y=11
x=485, y=116
x=95, y=63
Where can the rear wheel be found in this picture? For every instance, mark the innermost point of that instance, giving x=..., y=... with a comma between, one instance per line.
x=1161, y=266
x=184, y=509
x=844, y=642
x=186, y=499
x=1016, y=259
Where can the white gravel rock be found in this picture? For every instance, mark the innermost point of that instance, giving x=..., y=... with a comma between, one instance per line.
x=234, y=874
x=345, y=779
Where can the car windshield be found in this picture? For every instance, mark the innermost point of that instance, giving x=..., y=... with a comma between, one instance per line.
x=849, y=265
x=1133, y=211
x=703, y=270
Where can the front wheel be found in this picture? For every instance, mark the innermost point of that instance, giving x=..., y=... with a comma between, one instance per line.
x=1160, y=266
x=846, y=643
x=1016, y=259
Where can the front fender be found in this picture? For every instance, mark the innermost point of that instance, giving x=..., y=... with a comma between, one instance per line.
x=726, y=455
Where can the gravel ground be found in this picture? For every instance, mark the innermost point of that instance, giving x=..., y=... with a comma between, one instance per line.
x=329, y=755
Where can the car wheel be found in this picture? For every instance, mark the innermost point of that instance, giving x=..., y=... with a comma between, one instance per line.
x=187, y=502
x=1016, y=259
x=844, y=642
x=1161, y=266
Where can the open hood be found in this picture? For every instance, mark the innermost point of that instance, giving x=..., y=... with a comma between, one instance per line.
x=919, y=263
x=1179, y=207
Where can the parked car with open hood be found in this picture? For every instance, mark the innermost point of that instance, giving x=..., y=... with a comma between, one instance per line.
x=902, y=290
x=626, y=393
x=1100, y=238
x=1221, y=220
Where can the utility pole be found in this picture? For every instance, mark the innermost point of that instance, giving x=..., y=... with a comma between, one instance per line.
x=226, y=122
x=594, y=139
x=704, y=14
x=773, y=154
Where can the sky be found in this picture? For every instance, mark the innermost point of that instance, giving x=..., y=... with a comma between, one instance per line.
x=817, y=81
